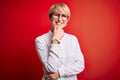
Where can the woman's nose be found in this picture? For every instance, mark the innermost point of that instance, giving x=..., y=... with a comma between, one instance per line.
x=60, y=17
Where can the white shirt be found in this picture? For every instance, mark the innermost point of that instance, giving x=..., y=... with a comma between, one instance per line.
x=65, y=57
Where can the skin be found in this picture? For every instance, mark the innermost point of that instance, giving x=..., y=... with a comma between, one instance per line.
x=57, y=26
x=58, y=33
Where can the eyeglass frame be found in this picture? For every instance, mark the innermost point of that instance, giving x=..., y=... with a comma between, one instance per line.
x=57, y=15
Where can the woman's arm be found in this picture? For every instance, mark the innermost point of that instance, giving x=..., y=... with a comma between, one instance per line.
x=51, y=58
x=76, y=63
x=75, y=66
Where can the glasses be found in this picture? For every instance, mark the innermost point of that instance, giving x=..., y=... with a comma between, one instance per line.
x=57, y=15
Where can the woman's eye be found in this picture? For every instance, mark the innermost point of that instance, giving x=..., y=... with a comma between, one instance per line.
x=64, y=15
x=56, y=14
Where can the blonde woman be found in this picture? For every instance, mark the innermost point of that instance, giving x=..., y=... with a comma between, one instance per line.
x=59, y=51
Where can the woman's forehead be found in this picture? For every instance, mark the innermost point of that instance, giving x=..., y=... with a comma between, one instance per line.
x=59, y=11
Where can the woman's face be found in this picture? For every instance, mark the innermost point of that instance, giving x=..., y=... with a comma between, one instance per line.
x=59, y=19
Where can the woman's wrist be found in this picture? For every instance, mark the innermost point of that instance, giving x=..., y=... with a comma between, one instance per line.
x=55, y=41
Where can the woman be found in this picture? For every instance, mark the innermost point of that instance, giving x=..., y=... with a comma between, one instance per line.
x=59, y=52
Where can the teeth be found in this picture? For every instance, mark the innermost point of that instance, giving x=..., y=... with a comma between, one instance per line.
x=58, y=23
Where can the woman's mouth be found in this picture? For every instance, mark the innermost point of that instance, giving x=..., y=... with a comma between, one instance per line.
x=59, y=23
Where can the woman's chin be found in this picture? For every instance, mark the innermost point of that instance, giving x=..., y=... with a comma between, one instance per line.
x=61, y=26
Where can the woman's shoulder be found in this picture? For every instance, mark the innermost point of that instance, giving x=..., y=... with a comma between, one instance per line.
x=42, y=36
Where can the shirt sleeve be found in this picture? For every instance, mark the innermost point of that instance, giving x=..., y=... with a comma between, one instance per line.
x=52, y=57
x=76, y=64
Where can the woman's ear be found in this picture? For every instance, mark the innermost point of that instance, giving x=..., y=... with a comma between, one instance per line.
x=68, y=19
x=50, y=19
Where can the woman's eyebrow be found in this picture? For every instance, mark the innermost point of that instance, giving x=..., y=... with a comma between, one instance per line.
x=55, y=12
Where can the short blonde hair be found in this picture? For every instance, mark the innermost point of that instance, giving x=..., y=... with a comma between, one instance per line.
x=60, y=7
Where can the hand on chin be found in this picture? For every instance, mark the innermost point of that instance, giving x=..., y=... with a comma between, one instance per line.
x=59, y=26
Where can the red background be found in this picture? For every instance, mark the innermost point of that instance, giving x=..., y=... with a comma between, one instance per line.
x=96, y=23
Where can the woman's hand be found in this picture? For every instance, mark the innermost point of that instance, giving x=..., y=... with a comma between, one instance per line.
x=58, y=33
x=51, y=76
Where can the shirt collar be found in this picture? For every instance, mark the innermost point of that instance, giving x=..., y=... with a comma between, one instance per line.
x=50, y=33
